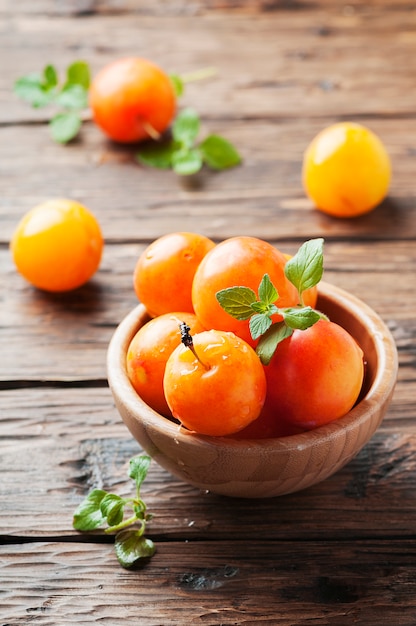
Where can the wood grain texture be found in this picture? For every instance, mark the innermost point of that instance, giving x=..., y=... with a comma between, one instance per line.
x=57, y=444
x=279, y=582
x=305, y=62
x=338, y=553
x=79, y=325
x=263, y=197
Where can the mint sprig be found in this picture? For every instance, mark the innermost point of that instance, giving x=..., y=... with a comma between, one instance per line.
x=180, y=80
x=184, y=154
x=70, y=96
x=131, y=546
x=304, y=271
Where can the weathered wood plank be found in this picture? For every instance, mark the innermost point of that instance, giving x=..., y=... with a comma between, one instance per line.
x=189, y=7
x=58, y=444
x=213, y=583
x=319, y=60
x=65, y=337
x=264, y=196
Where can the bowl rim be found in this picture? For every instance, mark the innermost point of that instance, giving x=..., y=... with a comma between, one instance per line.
x=378, y=394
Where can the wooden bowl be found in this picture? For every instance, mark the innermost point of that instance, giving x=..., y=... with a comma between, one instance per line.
x=267, y=467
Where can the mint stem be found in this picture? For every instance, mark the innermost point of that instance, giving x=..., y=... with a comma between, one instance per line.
x=128, y=522
x=201, y=74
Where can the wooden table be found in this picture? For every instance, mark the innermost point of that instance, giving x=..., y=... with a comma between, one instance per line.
x=340, y=553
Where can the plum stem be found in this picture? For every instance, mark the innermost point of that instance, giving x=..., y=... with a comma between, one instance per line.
x=201, y=74
x=151, y=131
x=186, y=339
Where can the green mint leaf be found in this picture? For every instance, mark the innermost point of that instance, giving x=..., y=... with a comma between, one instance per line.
x=72, y=96
x=237, y=301
x=112, y=507
x=259, y=324
x=263, y=307
x=157, y=155
x=301, y=318
x=178, y=84
x=218, y=153
x=131, y=548
x=185, y=128
x=88, y=514
x=138, y=468
x=65, y=126
x=78, y=73
x=50, y=77
x=267, y=291
x=260, y=307
x=115, y=514
x=305, y=269
x=30, y=88
x=270, y=340
x=186, y=162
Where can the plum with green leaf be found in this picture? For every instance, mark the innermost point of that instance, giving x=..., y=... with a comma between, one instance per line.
x=314, y=368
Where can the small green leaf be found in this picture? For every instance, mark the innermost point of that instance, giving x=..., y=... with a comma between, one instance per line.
x=30, y=88
x=237, y=301
x=301, y=318
x=186, y=162
x=267, y=291
x=112, y=507
x=115, y=514
x=131, y=548
x=305, y=269
x=185, y=128
x=72, y=96
x=259, y=324
x=65, y=126
x=270, y=340
x=260, y=307
x=78, y=73
x=157, y=155
x=50, y=76
x=178, y=84
x=139, y=467
x=88, y=514
x=218, y=153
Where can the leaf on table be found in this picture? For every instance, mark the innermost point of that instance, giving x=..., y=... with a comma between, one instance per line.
x=218, y=153
x=132, y=547
x=178, y=84
x=50, y=76
x=138, y=468
x=186, y=162
x=112, y=507
x=65, y=126
x=88, y=514
x=72, y=96
x=78, y=73
x=157, y=155
x=30, y=88
x=185, y=128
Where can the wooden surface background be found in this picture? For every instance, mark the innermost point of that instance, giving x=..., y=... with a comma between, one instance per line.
x=340, y=553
